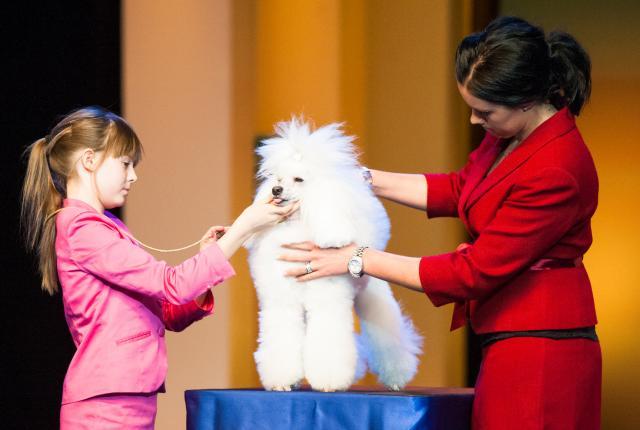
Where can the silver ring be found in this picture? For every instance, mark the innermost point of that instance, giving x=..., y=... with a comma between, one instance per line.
x=308, y=267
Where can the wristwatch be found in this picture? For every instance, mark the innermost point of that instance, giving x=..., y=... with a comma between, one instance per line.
x=355, y=266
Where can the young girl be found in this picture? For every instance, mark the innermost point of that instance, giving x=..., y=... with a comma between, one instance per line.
x=117, y=298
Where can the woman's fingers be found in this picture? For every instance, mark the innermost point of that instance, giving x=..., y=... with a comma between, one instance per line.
x=301, y=274
x=303, y=246
x=295, y=257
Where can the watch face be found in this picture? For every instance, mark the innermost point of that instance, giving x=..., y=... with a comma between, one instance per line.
x=355, y=265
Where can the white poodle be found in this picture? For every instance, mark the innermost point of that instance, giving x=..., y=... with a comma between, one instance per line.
x=307, y=329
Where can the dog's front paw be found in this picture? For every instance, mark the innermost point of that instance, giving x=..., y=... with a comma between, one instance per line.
x=279, y=388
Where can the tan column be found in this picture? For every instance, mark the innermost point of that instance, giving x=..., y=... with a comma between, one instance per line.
x=177, y=95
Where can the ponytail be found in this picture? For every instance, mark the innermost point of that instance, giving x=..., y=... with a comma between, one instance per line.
x=52, y=163
x=40, y=198
x=570, y=72
x=512, y=63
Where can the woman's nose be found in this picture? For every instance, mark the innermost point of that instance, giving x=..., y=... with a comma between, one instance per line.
x=276, y=191
x=475, y=119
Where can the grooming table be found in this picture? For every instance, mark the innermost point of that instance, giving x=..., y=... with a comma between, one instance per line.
x=366, y=408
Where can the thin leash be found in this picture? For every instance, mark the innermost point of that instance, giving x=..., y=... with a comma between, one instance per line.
x=134, y=239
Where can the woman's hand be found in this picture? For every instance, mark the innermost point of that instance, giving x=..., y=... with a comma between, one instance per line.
x=262, y=214
x=212, y=235
x=321, y=261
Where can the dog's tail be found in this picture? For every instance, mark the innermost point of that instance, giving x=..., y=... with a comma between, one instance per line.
x=389, y=339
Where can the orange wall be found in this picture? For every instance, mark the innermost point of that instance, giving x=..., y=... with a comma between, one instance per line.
x=610, y=125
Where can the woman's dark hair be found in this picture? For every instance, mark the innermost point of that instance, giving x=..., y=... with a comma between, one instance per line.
x=512, y=63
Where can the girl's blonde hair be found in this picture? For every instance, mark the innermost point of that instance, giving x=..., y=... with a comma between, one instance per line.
x=52, y=162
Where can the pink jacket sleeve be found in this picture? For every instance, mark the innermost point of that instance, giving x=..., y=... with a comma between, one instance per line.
x=100, y=249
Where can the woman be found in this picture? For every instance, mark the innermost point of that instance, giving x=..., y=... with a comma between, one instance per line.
x=526, y=197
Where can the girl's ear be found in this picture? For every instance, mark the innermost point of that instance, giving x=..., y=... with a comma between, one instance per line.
x=89, y=160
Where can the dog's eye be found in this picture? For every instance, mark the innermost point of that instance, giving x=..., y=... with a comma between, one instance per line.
x=298, y=179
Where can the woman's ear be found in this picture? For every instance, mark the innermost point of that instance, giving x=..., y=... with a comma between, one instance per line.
x=527, y=106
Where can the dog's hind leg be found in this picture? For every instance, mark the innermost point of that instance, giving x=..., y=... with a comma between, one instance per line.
x=279, y=354
x=330, y=353
x=391, y=342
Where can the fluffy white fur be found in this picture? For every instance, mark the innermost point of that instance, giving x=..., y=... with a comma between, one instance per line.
x=306, y=329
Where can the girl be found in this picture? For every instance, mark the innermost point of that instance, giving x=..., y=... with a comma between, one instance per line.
x=526, y=197
x=117, y=298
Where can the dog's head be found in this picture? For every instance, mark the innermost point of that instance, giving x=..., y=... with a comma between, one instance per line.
x=298, y=158
x=320, y=170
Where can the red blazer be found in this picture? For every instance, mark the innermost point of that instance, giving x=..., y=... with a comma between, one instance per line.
x=536, y=204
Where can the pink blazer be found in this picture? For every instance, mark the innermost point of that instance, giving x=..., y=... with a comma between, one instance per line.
x=118, y=300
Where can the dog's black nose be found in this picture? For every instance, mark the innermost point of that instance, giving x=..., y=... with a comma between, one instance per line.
x=276, y=191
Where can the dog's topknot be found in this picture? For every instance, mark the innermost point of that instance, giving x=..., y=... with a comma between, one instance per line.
x=324, y=149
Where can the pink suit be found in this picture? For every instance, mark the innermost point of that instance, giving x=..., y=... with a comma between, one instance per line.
x=118, y=300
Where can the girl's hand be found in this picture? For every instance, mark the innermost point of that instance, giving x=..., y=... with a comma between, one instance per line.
x=322, y=261
x=212, y=235
x=265, y=213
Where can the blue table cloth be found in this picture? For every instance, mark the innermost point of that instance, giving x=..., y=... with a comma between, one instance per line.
x=358, y=408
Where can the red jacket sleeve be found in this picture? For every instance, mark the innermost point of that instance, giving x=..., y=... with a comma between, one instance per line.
x=537, y=213
x=179, y=317
x=443, y=189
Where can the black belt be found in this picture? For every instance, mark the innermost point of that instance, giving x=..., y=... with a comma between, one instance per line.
x=487, y=339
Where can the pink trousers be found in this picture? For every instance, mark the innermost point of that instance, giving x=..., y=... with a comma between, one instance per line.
x=110, y=412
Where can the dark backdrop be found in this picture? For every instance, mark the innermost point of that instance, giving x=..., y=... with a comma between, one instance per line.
x=57, y=56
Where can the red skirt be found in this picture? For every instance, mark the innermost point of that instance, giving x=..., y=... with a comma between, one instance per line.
x=528, y=383
x=111, y=411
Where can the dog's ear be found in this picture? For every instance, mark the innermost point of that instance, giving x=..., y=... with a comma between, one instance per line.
x=327, y=212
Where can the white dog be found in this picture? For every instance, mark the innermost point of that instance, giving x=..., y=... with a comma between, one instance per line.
x=306, y=329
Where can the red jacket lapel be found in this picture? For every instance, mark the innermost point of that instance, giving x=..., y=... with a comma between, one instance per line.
x=560, y=123
x=487, y=152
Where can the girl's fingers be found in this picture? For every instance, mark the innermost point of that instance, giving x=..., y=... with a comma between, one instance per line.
x=221, y=231
x=283, y=210
x=269, y=199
